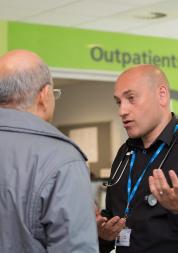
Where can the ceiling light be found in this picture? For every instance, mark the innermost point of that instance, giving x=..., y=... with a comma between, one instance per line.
x=153, y=15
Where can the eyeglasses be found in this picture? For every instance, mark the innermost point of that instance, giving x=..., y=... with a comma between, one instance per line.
x=57, y=93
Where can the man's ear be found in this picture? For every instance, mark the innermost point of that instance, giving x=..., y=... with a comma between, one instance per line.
x=43, y=102
x=164, y=95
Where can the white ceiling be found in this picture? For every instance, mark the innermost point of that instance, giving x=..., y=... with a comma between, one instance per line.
x=128, y=16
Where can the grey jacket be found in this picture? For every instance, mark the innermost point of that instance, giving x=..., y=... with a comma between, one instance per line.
x=45, y=195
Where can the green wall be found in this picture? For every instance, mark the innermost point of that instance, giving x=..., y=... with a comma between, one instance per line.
x=3, y=36
x=92, y=50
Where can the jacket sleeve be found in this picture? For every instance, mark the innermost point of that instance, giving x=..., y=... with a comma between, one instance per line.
x=68, y=211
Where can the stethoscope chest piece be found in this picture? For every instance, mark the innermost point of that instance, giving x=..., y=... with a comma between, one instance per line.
x=151, y=200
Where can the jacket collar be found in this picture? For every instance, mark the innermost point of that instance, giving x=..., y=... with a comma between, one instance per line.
x=25, y=122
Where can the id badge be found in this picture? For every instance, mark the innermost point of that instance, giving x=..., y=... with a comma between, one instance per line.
x=123, y=238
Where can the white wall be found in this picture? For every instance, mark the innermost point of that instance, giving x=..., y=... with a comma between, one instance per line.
x=89, y=103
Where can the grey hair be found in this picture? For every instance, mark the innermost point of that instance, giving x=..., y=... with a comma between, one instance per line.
x=21, y=87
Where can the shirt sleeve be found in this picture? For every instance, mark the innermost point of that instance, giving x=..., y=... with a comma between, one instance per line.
x=68, y=211
x=173, y=221
x=104, y=245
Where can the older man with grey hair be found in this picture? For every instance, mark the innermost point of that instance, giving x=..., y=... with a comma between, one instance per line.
x=45, y=199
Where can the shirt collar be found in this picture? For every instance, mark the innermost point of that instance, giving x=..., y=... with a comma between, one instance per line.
x=165, y=136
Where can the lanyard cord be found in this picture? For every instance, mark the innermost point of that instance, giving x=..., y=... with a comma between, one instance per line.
x=132, y=193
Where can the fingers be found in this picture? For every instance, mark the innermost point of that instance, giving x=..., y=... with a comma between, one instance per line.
x=152, y=184
x=158, y=183
x=101, y=220
x=112, y=224
x=110, y=229
x=161, y=180
x=115, y=223
x=166, y=194
x=174, y=180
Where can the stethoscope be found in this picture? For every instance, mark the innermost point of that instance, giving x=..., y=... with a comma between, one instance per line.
x=152, y=201
x=109, y=183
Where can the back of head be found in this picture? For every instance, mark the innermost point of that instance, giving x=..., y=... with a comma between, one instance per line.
x=22, y=75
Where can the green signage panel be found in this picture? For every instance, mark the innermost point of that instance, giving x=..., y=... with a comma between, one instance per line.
x=3, y=40
x=94, y=50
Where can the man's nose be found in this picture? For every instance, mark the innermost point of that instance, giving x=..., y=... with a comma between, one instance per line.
x=123, y=109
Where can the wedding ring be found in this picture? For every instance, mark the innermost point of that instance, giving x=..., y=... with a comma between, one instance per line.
x=161, y=192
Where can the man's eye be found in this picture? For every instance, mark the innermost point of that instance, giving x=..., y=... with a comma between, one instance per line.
x=131, y=99
x=118, y=102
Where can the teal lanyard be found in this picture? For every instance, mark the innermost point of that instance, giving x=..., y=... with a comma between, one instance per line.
x=131, y=193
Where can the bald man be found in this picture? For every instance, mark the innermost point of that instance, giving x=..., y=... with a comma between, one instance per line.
x=143, y=99
x=45, y=199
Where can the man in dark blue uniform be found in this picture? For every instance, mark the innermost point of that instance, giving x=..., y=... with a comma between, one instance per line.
x=139, y=215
